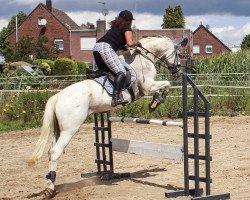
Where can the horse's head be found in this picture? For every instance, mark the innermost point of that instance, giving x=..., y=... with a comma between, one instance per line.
x=165, y=50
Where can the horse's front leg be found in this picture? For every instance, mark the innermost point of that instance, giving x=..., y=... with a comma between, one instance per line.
x=157, y=98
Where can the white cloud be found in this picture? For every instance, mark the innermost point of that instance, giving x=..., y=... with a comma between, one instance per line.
x=246, y=29
x=142, y=20
x=193, y=22
x=3, y=23
x=231, y=35
x=146, y=21
x=84, y=17
x=88, y=16
x=228, y=34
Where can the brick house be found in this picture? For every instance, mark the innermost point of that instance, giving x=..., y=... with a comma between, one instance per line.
x=48, y=21
x=205, y=43
x=75, y=41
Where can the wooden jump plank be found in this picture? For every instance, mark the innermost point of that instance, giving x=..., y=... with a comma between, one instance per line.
x=164, y=151
x=146, y=121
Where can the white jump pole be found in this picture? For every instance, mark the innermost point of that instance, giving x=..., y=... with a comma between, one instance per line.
x=146, y=121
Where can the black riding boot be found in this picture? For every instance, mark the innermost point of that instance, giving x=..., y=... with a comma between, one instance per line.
x=118, y=84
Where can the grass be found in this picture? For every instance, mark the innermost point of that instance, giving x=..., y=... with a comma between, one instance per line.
x=248, y=103
x=16, y=125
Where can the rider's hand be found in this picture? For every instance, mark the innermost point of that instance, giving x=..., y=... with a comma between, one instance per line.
x=124, y=48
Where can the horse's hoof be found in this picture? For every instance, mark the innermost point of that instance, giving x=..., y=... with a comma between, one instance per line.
x=152, y=108
x=48, y=193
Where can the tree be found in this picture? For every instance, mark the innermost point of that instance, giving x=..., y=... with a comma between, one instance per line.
x=43, y=49
x=173, y=18
x=21, y=16
x=23, y=49
x=245, y=45
x=5, y=48
x=26, y=46
x=180, y=21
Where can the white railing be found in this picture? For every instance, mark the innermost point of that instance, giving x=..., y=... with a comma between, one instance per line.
x=13, y=84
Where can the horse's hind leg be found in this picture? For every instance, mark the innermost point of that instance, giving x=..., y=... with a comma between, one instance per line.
x=54, y=154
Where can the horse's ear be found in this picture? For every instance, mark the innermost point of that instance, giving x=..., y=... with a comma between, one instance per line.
x=184, y=42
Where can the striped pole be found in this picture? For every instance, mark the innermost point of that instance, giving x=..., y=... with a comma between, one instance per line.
x=146, y=121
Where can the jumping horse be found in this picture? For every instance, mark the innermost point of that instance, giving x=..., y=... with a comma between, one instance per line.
x=66, y=111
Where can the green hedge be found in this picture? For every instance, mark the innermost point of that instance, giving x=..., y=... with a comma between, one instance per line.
x=81, y=67
x=28, y=108
x=65, y=66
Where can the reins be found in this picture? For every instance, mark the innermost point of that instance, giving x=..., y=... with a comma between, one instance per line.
x=172, y=68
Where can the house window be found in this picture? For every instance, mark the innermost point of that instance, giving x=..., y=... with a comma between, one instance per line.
x=87, y=43
x=196, y=49
x=43, y=30
x=209, y=49
x=59, y=43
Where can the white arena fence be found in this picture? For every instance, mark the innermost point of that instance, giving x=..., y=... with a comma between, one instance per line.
x=23, y=83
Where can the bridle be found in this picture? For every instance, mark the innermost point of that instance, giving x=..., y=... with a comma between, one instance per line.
x=173, y=68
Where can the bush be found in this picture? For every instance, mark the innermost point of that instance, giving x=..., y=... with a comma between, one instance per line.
x=46, y=66
x=40, y=61
x=225, y=63
x=65, y=66
x=27, y=107
x=81, y=67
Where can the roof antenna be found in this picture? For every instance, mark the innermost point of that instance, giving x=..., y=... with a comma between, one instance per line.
x=105, y=11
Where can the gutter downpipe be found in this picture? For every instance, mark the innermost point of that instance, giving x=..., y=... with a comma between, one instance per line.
x=16, y=30
x=70, y=43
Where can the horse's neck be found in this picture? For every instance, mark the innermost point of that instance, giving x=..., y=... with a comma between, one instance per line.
x=144, y=69
x=142, y=64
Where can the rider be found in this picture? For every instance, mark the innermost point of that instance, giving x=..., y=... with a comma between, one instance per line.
x=106, y=47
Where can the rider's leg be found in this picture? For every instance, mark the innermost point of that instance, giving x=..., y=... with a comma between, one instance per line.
x=115, y=65
x=118, y=85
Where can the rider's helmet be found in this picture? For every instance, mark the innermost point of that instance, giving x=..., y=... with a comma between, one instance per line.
x=126, y=15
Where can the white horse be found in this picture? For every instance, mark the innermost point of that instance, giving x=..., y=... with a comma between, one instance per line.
x=66, y=111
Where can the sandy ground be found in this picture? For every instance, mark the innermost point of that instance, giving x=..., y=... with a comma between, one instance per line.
x=150, y=177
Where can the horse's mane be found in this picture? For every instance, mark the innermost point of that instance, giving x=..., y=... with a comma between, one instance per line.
x=152, y=39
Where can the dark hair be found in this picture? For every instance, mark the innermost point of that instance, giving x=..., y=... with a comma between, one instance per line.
x=119, y=22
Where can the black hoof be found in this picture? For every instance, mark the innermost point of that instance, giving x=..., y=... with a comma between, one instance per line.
x=151, y=109
x=49, y=193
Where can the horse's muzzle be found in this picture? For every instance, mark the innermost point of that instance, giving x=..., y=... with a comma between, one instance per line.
x=176, y=71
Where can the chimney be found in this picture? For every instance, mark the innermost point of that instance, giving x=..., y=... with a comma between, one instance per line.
x=49, y=5
x=101, y=26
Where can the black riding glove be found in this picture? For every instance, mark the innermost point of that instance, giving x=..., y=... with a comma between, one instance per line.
x=124, y=48
x=139, y=44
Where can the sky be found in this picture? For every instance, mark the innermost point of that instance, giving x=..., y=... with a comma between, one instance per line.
x=229, y=20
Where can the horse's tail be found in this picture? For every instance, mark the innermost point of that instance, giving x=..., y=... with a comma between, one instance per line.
x=47, y=128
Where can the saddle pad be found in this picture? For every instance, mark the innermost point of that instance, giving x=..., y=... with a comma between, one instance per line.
x=108, y=85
